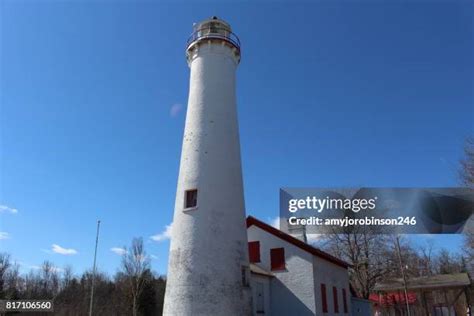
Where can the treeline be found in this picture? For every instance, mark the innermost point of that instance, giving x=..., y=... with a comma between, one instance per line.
x=134, y=290
x=376, y=257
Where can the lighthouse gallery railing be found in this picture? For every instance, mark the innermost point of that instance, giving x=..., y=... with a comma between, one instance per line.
x=213, y=33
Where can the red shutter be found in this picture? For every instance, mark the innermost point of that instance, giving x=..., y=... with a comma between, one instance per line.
x=254, y=251
x=334, y=296
x=277, y=258
x=324, y=300
x=344, y=300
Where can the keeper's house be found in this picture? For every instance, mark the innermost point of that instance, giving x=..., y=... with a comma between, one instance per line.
x=290, y=277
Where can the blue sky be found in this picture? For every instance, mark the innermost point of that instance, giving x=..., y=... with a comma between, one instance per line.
x=330, y=94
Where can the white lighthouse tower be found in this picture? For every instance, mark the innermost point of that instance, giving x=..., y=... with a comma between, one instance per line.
x=208, y=270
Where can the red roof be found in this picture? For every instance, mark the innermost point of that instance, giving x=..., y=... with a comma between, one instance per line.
x=296, y=242
x=392, y=298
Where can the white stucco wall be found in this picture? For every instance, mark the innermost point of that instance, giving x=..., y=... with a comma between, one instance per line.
x=331, y=275
x=209, y=243
x=265, y=280
x=292, y=290
x=297, y=290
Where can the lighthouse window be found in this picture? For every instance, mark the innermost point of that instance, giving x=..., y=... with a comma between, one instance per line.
x=213, y=27
x=190, y=198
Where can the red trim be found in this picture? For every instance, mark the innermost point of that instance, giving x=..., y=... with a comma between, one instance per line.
x=334, y=298
x=344, y=300
x=254, y=251
x=324, y=300
x=393, y=298
x=296, y=242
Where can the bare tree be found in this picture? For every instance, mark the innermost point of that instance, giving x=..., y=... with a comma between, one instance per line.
x=13, y=282
x=135, y=264
x=426, y=258
x=4, y=266
x=365, y=250
x=49, y=279
x=67, y=276
x=447, y=263
x=466, y=172
x=70, y=292
x=469, y=242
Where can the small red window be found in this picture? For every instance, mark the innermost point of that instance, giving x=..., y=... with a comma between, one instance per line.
x=254, y=251
x=324, y=300
x=277, y=258
x=334, y=296
x=344, y=300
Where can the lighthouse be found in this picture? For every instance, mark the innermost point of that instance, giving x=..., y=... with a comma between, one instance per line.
x=208, y=269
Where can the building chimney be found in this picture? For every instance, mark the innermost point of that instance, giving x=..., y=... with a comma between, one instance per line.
x=298, y=231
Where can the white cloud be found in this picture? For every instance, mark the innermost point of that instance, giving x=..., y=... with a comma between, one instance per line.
x=175, y=109
x=4, y=235
x=119, y=251
x=63, y=251
x=7, y=209
x=314, y=237
x=275, y=222
x=154, y=257
x=166, y=234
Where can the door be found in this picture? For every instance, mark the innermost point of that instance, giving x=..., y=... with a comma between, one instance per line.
x=260, y=298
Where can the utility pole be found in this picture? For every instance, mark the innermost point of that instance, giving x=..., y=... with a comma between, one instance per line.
x=94, y=268
x=403, y=275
